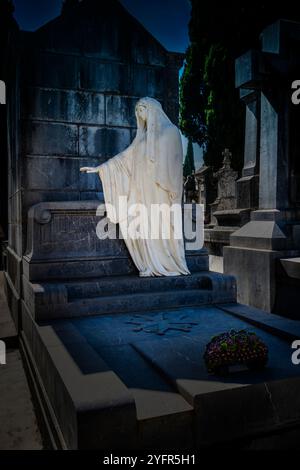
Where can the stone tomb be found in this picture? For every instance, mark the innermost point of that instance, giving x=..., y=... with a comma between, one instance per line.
x=68, y=271
x=117, y=360
x=225, y=215
x=138, y=380
x=273, y=231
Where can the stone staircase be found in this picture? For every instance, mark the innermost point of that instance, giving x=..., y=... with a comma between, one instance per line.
x=125, y=294
x=68, y=272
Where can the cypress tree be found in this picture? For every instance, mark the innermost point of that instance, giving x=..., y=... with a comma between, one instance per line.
x=189, y=163
x=211, y=112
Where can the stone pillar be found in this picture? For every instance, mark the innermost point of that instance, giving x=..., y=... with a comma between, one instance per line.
x=273, y=232
x=274, y=147
x=247, y=185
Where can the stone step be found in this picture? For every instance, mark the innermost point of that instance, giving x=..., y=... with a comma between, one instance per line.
x=118, y=294
x=134, y=303
x=66, y=266
x=122, y=285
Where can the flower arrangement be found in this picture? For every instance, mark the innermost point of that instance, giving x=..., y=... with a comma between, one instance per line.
x=235, y=348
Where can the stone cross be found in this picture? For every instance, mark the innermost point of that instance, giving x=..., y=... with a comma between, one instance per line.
x=226, y=178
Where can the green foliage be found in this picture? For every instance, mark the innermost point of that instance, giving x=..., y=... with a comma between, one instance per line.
x=224, y=113
x=191, y=117
x=189, y=163
x=211, y=113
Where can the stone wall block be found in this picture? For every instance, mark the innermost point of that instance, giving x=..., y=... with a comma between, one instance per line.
x=103, y=76
x=43, y=138
x=68, y=106
x=52, y=173
x=90, y=181
x=120, y=111
x=92, y=142
x=155, y=87
x=46, y=69
x=117, y=141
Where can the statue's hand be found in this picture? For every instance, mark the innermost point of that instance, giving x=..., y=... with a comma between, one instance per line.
x=172, y=196
x=89, y=169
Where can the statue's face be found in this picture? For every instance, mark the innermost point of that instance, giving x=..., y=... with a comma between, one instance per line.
x=142, y=112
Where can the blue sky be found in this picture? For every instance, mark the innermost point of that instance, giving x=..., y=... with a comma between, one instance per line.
x=167, y=20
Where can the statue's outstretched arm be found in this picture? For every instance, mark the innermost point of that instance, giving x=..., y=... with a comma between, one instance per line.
x=124, y=155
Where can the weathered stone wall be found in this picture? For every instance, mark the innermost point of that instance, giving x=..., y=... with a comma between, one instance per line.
x=82, y=75
x=71, y=103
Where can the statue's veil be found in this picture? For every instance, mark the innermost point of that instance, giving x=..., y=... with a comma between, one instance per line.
x=156, y=121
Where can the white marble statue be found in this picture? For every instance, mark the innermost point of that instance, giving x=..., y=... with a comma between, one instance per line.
x=148, y=172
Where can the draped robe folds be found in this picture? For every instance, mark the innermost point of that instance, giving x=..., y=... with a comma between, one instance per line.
x=133, y=175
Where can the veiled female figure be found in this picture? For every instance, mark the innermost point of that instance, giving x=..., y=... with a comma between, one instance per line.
x=148, y=172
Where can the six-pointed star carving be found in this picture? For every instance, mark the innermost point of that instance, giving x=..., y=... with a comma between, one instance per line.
x=160, y=324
